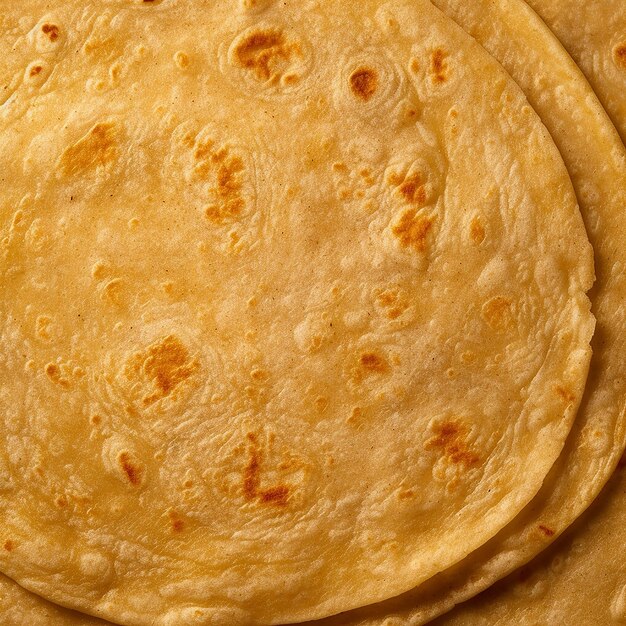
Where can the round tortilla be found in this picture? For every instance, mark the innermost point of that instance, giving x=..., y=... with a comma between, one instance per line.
x=596, y=160
x=290, y=323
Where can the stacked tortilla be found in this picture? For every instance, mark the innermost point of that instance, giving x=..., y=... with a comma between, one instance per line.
x=311, y=311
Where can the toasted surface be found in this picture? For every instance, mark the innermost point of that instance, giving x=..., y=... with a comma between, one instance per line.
x=596, y=160
x=290, y=323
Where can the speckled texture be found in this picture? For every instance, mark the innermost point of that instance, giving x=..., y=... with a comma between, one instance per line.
x=596, y=160
x=283, y=283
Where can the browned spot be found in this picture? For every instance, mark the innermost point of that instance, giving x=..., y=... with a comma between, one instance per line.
x=165, y=364
x=51, y=30
x=97, y=148
x=176, y=522
x=9, y=545
x=449, y=438
x=277, y=495
x=228, y=184
x=393, y=303
x=61, y=501
x=369, y=364
x=364, y=83
x=36, y=69
x=387, y=298
x=414, y=66
x=548, y=532
x=355, y=416
x=412, y=230
x=620, y=55
x=477, y=231
x=374, y=363
x=411, y=188
x=259, y=375
x=497, y=313
x=406, y=494
x=265, y=53
x=321, y=403
x=53, y=372
x=96, y=420
x=133, y=472
x=439, y=66
x=565, y=394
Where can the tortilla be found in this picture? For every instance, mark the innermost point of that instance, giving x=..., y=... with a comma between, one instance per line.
x=596, y=160
x=19, y=607
x=579, y=580
x=594, y=33
x=289, y=321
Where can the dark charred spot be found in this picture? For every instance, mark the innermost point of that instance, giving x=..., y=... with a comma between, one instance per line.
x=131, y=470
x=374, y=363
x=9, y=545
x=53, y=372
x=277, y=495
x=263, y=51
x=548, y=532
x=449, y=438
x=176, y=522
x=364, y=83
x=36, y=69
x=51, y=30
x=620, y=55
x=439, y=66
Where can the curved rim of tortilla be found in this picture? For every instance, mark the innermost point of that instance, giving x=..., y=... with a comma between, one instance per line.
x=511, y=548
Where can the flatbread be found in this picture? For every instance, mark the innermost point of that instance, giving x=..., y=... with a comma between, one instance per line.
x=19, y=607
x=596, y=160
x=579, y=580
x=273, y=345
x=594, y=33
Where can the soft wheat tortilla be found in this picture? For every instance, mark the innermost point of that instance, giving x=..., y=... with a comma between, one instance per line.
x=19, y=607
x=596, y=160
x=294, y=309
x=579, y=580
x=594, y=33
